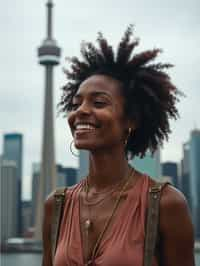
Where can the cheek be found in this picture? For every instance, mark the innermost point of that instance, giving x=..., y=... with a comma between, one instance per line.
x=119, y=127
x=115, y=127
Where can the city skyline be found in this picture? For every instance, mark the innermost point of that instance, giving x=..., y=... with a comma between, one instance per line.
x=22, y=82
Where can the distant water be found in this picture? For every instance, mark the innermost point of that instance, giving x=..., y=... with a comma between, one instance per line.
x=20, y=259
x=35, y=259
x=197, y=257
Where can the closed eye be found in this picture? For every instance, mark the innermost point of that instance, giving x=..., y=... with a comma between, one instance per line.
x=96, y=104
x=99, y=104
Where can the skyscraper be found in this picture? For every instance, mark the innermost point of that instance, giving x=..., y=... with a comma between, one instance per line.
x=12, y=151
x=195, y=177
x=49, y=54
x=171, y=169
x=190, y=177
x=71, y=176
x=185, y=184
x=27, y=216
x=67, y=176
x=34, y=194
x=9, y=197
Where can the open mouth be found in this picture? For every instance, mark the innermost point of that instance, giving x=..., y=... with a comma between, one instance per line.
x=84, y=127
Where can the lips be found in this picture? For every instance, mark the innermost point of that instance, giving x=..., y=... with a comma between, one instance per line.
x=84, y=127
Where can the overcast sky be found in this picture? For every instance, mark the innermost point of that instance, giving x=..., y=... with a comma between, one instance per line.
x=173, y=25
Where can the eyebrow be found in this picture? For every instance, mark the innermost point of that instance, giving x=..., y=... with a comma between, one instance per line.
x=93, y=94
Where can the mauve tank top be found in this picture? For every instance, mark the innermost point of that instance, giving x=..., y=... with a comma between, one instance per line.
x=122, y=244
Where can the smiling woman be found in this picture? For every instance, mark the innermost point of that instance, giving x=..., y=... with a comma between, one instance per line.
x=119, y=106
x=97, y=106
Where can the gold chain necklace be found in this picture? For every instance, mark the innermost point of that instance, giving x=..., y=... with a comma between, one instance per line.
x=106, y=193
x=88, y=223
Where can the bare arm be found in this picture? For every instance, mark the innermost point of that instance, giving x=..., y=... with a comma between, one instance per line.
x=176, y=230
x=46, y=232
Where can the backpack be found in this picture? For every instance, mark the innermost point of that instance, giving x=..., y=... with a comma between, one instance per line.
x=151, y=222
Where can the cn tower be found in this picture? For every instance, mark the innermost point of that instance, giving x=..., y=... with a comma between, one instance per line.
x=49, y=55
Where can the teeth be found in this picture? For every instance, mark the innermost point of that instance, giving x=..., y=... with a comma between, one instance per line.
x=85, y=127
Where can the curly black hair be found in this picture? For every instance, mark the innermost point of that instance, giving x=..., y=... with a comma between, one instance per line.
x=150, y=97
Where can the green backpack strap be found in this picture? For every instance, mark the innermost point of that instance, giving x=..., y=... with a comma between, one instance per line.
x=59, y=196
x=152, y=221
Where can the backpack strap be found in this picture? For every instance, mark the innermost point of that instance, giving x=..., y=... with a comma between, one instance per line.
x=152, y=221
x=59, y=200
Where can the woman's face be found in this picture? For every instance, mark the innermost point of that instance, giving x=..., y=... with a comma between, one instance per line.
x=97, y=118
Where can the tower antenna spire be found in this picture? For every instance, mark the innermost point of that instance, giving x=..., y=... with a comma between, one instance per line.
x=49, y=19
x=49, y=55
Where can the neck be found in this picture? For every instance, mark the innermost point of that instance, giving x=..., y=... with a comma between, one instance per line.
x=107, y=169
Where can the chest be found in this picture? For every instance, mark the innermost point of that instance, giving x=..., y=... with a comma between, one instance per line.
x=123, y=241
x=124, y=237
x=97, y=221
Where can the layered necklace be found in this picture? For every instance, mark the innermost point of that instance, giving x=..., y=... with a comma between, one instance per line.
x=88, y=223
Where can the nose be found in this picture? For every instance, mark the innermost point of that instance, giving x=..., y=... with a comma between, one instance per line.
x=83, y=108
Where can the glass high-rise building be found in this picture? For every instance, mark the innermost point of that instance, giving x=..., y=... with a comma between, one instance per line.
x=195, y=177
x=66, y=176
x=12, y=151
x=185, y=184
x=71, y=174
x=34, y=194
x=8, y=198
x=170, y=169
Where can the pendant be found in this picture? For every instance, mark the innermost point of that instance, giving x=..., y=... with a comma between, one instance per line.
x=88, y=224
x=89, y=263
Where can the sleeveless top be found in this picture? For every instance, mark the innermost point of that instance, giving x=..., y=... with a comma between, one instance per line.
x=122, y=244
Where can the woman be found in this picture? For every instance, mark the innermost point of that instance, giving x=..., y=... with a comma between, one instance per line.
x=118, y=107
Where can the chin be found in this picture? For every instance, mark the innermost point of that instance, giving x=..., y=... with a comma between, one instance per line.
x=91, y=147
x=82, y=145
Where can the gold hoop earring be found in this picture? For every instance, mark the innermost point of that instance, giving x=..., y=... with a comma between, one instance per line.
x=129, y=133
x=71, y=150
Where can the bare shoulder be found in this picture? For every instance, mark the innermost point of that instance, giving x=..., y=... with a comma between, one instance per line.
x=48, y=213
x=172, y=200
x=173, y=208
x=48, y=204
x=176, y=229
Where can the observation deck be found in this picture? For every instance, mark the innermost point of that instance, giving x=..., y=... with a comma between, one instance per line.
x=49, y=53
